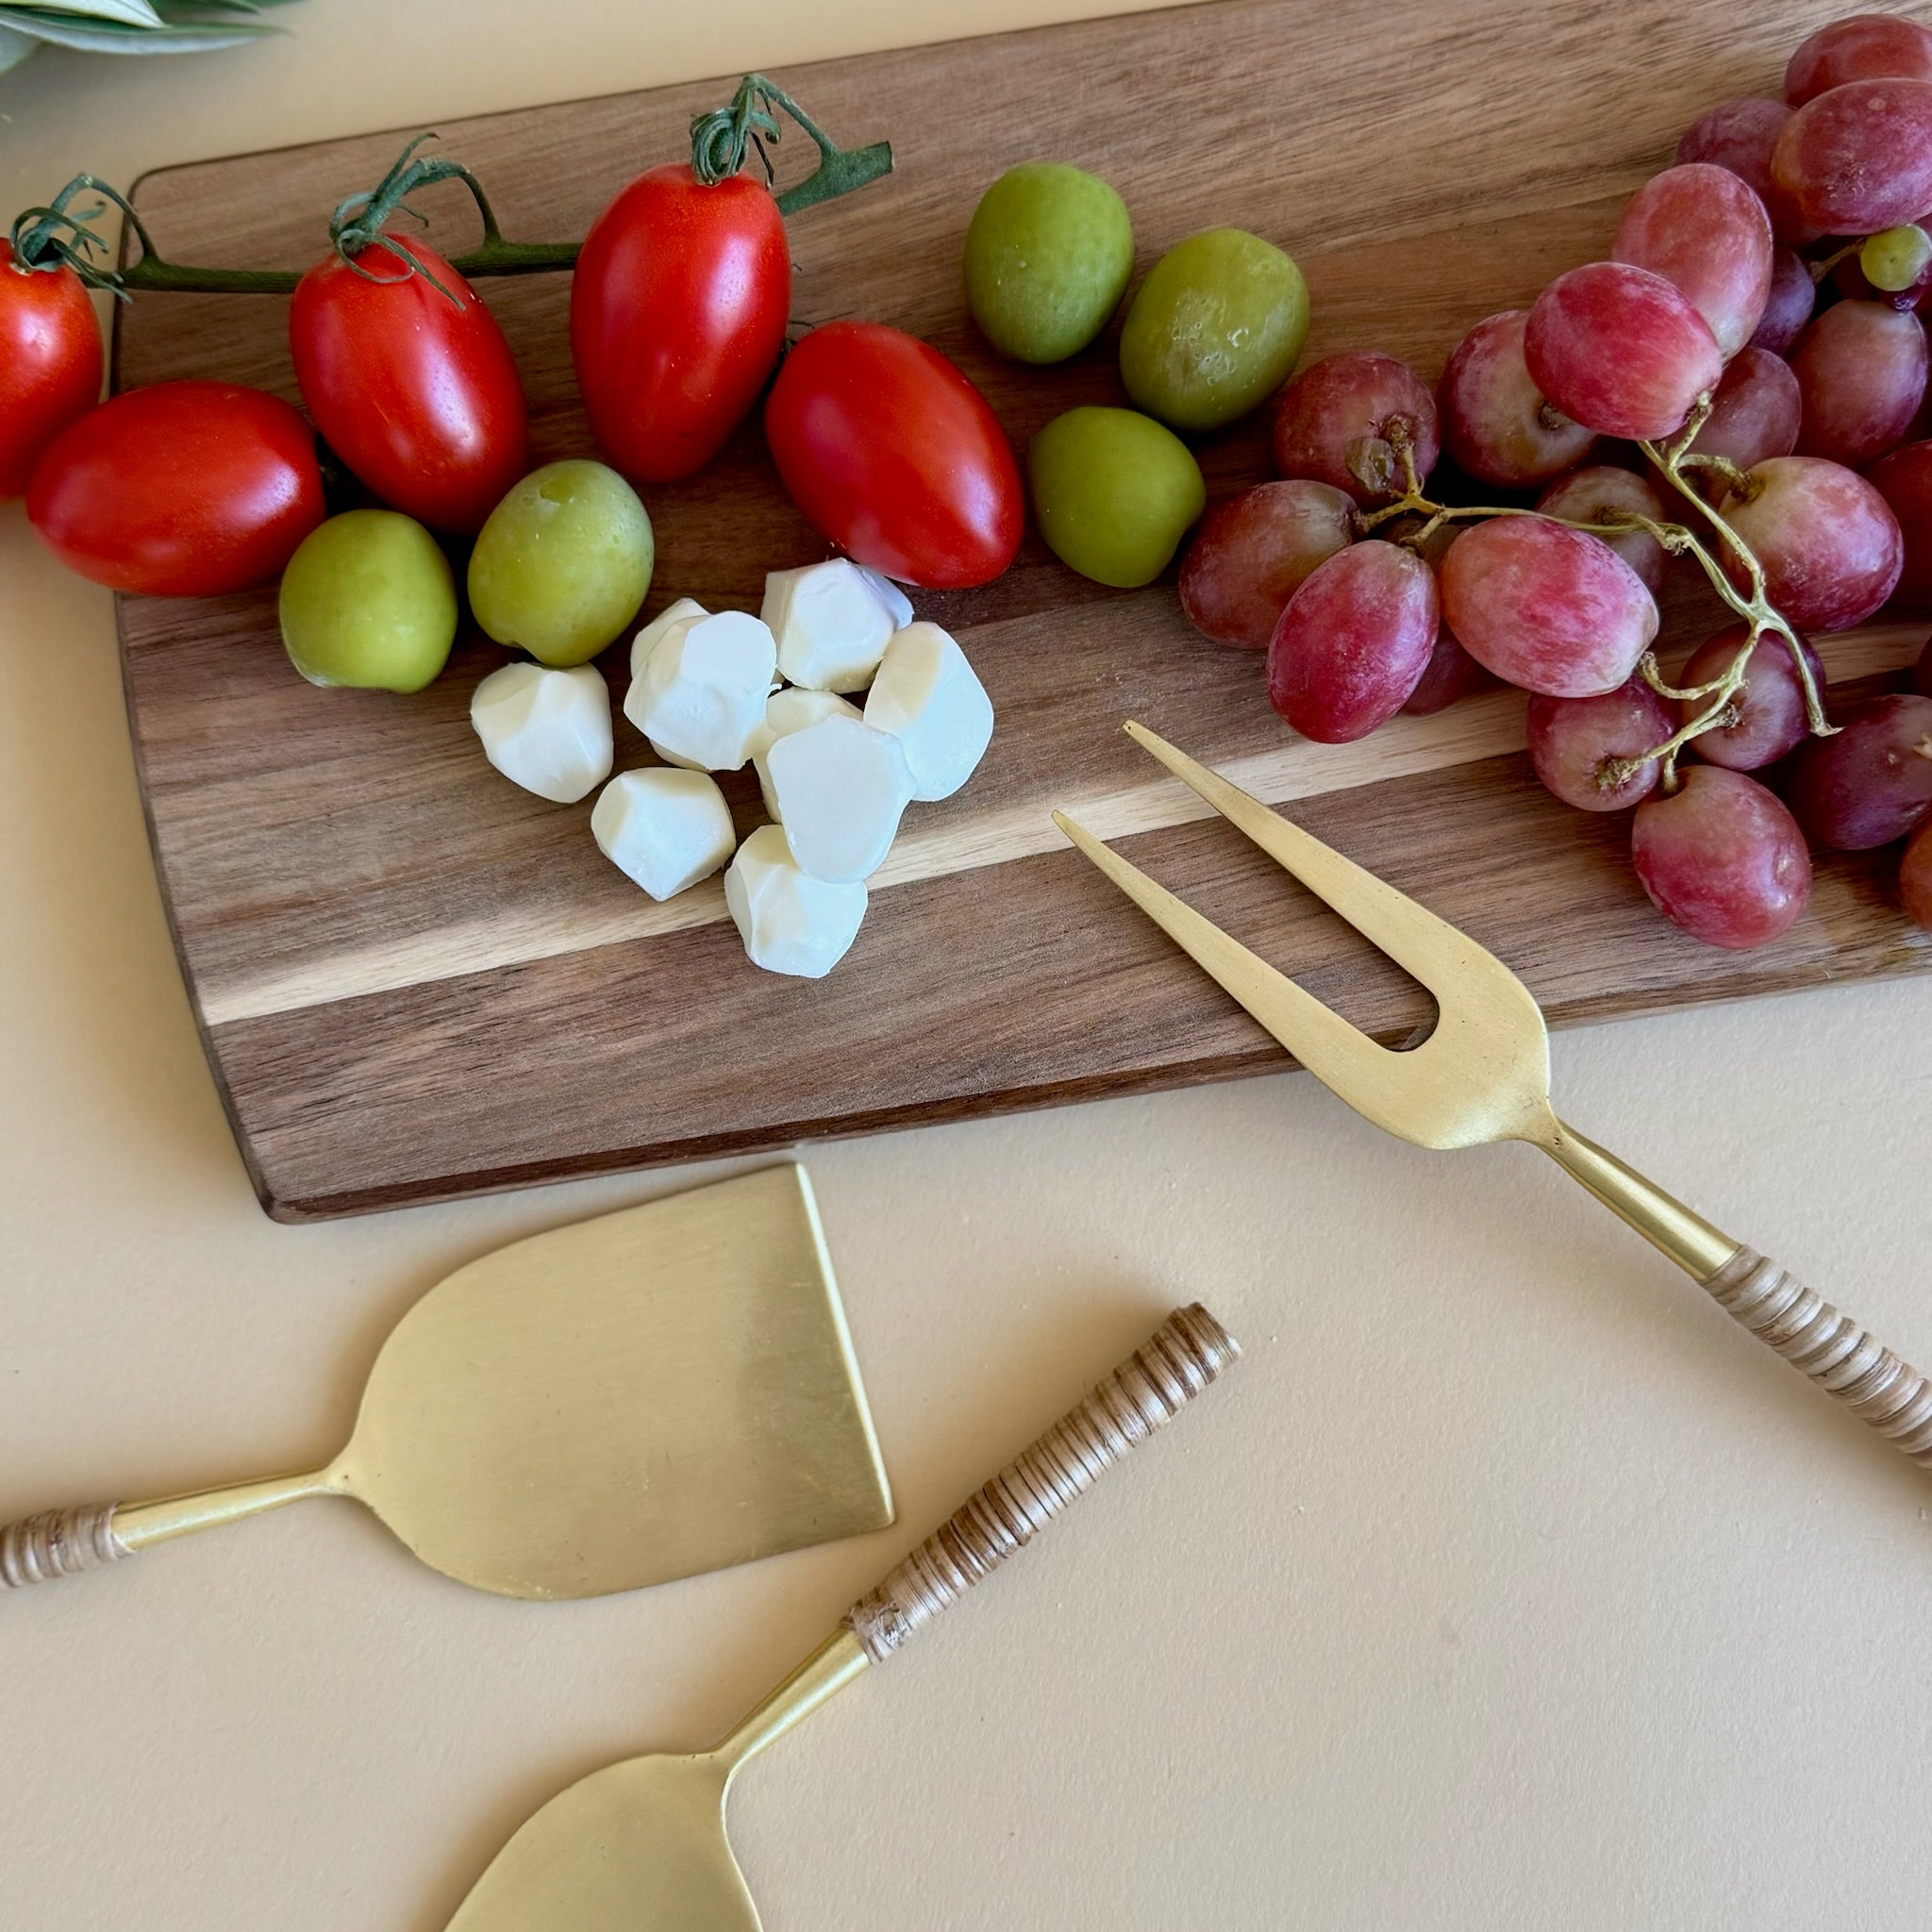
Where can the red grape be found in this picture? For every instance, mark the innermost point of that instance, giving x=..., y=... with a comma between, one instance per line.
x=1830, y=548
x=1450, y=673
x=1332, y=422
x=1862, y=46
x=1722, y=858
x=1915, y=879
x=1579, y=496
x=1552, y=609
x=1353, y=641
x=1704, y=230
x=1755, y=413
x=1621, y=349
x=1870, y=784
x=1569, y=739
x=1859, y=158
x=1861, y=369
x=1788, y=308
x=1737, y=134
x=1771, y=718
x=1254, y=550
x=1922, y=672
x=1903, y=478
x=1497, y=425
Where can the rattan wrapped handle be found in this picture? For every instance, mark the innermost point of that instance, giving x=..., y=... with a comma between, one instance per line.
x=1845, y=1361
x=58, y=1543
x=1148, y=1390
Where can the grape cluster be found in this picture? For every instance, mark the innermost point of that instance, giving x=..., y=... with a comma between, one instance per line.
x=1738, y=387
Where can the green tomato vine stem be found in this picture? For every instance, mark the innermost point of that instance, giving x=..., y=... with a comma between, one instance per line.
x=1759, y=614
x=58, y=234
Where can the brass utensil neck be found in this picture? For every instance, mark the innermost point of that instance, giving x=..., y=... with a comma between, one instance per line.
x=140, y=1524
x=1697, y=1247
x=822, y=1675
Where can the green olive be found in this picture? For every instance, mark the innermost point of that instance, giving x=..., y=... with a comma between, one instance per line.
x=563, y=563
x=1048, y=255
x=1214, y=330
x=1113, y=493
x=368, y=600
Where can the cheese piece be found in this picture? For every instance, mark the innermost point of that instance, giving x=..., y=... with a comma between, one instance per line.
x=931, y=699
x=898, y=605
x=548, y=731
x=663, y=829
x=701, y=693
x=790, y=922
x=838, y=788
x=786, y=711
x=831, y=625
x=647, y=639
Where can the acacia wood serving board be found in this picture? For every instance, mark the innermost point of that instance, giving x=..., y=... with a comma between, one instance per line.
x=416, y=981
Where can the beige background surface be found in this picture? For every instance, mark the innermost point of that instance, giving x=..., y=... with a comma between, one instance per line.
x=1507, y=1583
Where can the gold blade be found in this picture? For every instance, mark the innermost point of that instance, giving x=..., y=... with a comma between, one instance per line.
x=640, y=1846
x=659, y=1392
x=636, y=1847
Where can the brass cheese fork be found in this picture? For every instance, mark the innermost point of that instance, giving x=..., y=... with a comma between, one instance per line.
x=1484, y=1075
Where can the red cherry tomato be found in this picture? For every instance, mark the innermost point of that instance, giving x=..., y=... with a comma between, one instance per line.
x=418, y=394
x=178, y=490
x=676, y=316
x=895, y=454
x=50, y=362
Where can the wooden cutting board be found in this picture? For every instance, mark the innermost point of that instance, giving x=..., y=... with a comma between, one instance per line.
x=416, y=981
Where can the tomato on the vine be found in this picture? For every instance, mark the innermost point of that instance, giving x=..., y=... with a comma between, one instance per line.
x=50, y=361
x=178, y=490
x=677, y=313
x=415, y=390
x=893, y=455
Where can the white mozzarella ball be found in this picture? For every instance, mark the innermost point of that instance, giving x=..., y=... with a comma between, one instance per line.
x=838, y=788
x=701, y=693
x=830, y=625
x=789, y=921
x=663, y=829
x=786, y=711
x=931, y=699
x=898, y=606
x=686, y=609
x=548, y=731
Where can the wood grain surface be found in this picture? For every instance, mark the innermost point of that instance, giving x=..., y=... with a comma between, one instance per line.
x=416, y=981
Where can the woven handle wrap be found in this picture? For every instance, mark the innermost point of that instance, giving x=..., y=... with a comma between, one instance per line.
x=58, y=1543
x=1185, y=1354
x=1840, y=1356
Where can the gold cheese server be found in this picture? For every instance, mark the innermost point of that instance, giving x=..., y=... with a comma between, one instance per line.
x=661, y=1390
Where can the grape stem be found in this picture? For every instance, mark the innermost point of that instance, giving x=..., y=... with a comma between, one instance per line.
x=1718, y=696
x=57, y=235
x=1826, y=263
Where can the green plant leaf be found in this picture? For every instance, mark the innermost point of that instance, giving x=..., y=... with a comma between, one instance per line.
x=14, y=48
x=128, y=12
x=111, y=37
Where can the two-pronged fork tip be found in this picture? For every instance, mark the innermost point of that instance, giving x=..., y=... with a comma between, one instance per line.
x=1150, y=742
x=1079, y=837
